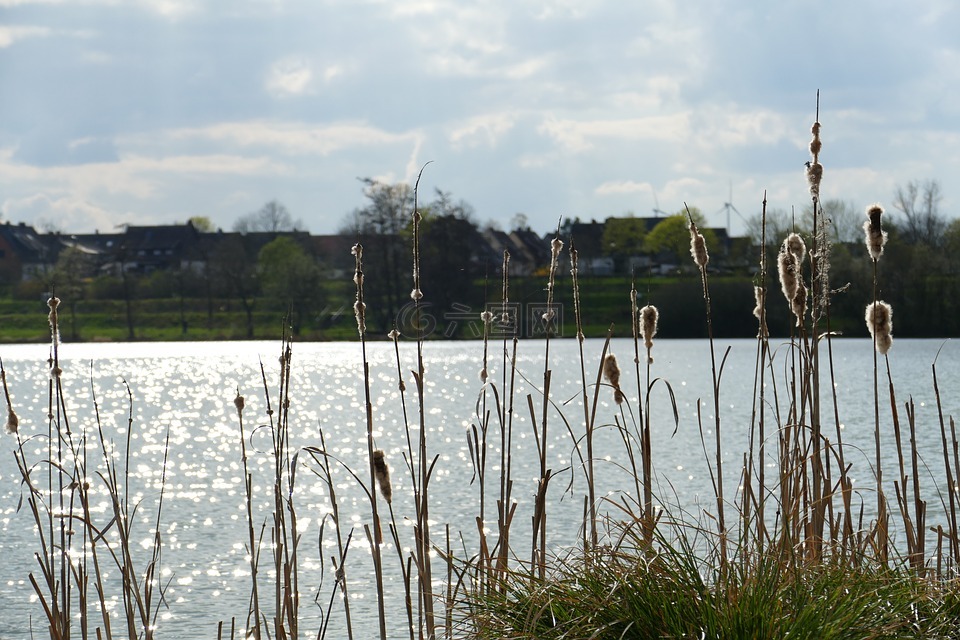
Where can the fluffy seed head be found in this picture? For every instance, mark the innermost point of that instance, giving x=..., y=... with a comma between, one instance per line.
x=556, y=245
x=794, y=244
x=360, y=311
x=876, y=237
x=611, y=372
x=13, y=423
x=649, y=317
x=799, y=303
x=758, y=295
x=394, y=334
x=698, y=247
x=787, y=268
x=416, y=294
x=382, y=473
x=879, y=317
x=814, y=176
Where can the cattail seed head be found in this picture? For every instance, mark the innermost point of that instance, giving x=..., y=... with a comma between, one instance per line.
x=794, y=244
x=394, y=334
x=555, y=247
x=879, y=317
x=876, y=237
x=53, y=303
x=486, y=317
x=360, y=311
x=815, y=146
x=759, y=295
x=238, y=403
x=13, y=422
x=649, y=317
x=382, y=473
x=611, y=372
x=799, y=303
x=814, y=176
x=787, y=268
x=698, y=247
x=416, y=294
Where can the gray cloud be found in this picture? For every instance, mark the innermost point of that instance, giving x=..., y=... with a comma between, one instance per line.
x=161, y=110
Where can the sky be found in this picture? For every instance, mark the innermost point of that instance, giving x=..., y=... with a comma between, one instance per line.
x=120, y=112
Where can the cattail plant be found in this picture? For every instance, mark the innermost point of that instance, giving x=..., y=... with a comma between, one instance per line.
x=539, y=539
x=377, y=538
x=698, y=249
x=611, y=373
x=588, y=416
x=649, y=318
x=879, y=317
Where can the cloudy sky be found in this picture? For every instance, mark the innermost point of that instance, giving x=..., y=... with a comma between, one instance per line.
x=153, y=111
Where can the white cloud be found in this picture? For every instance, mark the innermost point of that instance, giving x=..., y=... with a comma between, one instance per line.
x=171, y=9
x=295, y=138
x=289, y=77
x=582, y=135
x=10, y=35
x=485, y=130
x=68, y=213
x=620, y=187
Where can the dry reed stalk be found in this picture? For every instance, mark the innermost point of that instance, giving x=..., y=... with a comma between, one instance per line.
x=876, y=326
x=376, y=540
x=757, y=420
x=819, y=299
x=343, y=546
x=539, y=540
x=698, y=249
x=588, y=419
x=254, y=611
x=506, y=508
x=422, y=527
x=948, y=473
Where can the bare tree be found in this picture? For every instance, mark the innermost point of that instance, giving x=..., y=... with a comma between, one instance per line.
x=271, y=217
x=920, y=204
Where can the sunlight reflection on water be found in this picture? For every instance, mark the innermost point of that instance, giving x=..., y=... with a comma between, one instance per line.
x=185, y=391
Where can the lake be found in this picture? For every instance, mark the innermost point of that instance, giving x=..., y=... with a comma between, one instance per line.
x=187, y=390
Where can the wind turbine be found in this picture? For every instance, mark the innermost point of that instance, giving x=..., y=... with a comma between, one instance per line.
x=728, y=207
x=656, y=205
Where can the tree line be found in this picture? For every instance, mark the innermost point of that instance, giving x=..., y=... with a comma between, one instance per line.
x=280, y=274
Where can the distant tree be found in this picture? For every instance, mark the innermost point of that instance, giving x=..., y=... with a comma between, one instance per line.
x=624, y=237
x=68, y=279
x=951, y=239
x=451, y=259
x=271, y=217
x=844, y=220
x=519, y=222
x=672, y=234
x=780, y=223
x=380, y=226
x=233, y=267
x=289, y=275
x=919, y=202
x=203, y=224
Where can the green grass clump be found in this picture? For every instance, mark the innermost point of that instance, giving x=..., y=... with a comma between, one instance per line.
x=627, y=593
